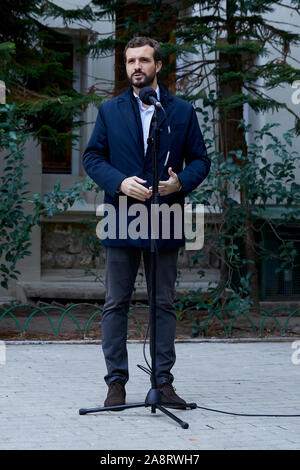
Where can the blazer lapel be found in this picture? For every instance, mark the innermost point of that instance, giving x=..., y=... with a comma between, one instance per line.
x=166, y=101
x=131, y=118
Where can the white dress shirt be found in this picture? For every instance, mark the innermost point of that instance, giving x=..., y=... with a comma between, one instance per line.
x=146, y=116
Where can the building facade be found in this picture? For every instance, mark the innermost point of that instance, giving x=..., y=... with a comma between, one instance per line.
x=63, y=264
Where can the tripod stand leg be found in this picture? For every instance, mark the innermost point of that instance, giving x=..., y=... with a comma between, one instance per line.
x=183, y=424
x=84, y=411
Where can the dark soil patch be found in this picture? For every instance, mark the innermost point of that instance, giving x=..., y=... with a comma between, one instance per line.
x=54, y=321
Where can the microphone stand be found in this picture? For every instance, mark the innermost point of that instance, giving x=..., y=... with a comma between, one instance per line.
x=153, y=397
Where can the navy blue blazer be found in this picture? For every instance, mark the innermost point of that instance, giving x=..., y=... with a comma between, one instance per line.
x=115, y=151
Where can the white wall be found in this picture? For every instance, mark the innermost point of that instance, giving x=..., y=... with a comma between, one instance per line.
x=288, y=20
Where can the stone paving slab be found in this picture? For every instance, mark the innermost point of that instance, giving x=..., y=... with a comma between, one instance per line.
x=43, y=386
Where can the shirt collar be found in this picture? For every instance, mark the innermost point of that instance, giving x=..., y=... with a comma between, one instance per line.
x=140, y=101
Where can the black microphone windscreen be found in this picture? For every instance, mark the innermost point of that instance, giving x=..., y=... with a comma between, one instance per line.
x=145, y=94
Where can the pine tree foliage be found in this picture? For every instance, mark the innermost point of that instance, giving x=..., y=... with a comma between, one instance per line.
x=245, y=37
x=232, y=42
x=239, y=31
x=34, y=69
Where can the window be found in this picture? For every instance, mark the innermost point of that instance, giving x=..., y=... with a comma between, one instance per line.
x=284, y=284
x=58, y=158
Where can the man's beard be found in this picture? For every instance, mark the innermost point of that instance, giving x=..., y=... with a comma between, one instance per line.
x=147, y=81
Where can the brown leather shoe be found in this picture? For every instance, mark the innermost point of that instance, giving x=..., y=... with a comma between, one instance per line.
x=169, y=398
x=116, y=394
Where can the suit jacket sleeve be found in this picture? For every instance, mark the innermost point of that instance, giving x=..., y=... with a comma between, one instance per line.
x=196, y=159
x=96, y=159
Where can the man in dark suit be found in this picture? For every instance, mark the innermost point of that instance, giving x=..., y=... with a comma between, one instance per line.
x=119, y=159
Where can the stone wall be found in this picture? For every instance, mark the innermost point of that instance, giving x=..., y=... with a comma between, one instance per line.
x=70, y=246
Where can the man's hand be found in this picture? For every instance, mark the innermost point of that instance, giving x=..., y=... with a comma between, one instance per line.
x=172, y=185
x=133, y=187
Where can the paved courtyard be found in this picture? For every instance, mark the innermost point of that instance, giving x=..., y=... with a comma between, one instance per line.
x=44, y=385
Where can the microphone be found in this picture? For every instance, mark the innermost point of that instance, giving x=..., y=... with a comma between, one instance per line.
x=148, y=96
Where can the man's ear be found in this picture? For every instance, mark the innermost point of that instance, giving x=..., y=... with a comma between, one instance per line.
x=158, y=66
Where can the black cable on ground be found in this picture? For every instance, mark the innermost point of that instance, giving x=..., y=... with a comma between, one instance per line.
x=249, y=415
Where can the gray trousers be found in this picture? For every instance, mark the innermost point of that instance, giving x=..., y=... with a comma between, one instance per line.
x=121, y=268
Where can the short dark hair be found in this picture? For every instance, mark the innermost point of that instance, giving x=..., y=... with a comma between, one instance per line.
x=140, y=41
